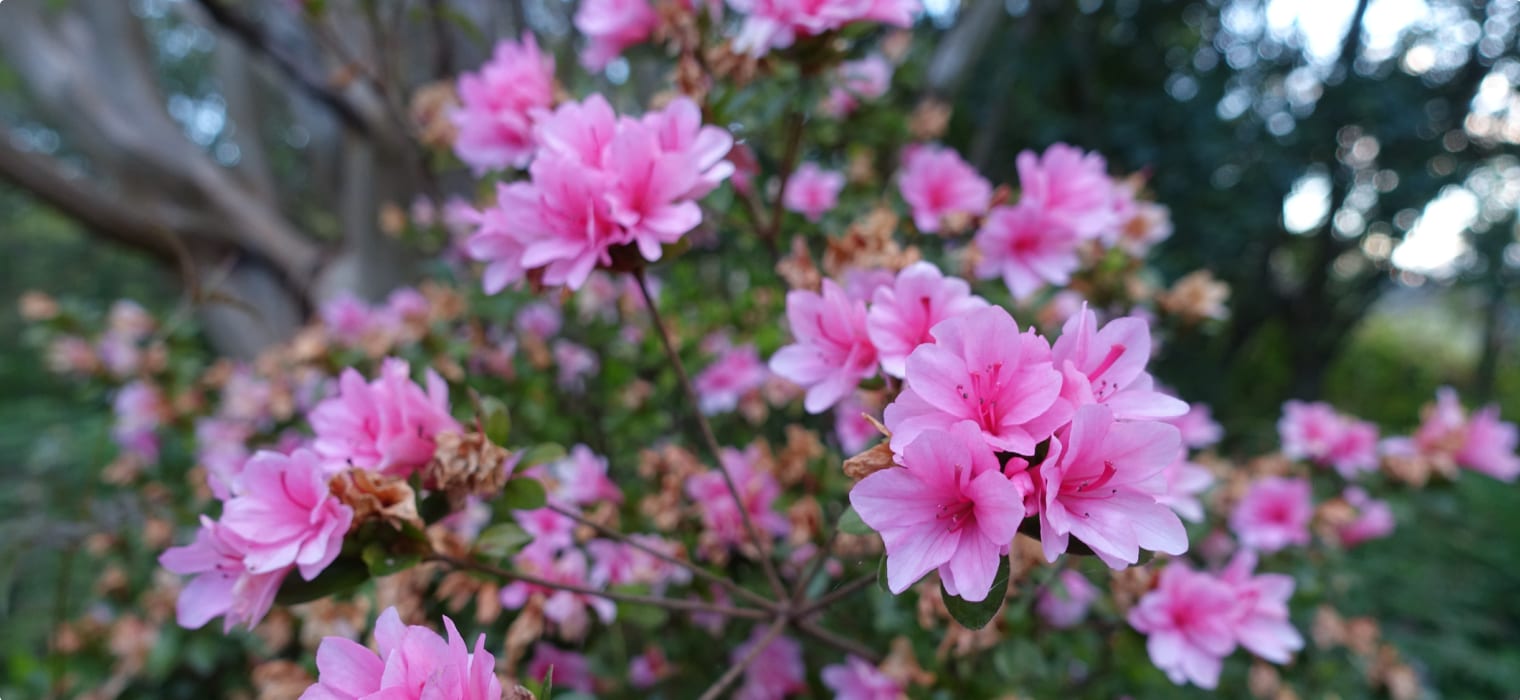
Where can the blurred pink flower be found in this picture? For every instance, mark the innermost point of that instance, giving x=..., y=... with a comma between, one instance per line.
x=618, y=564
x=611, y=26
x=857, y=679
x=413, y=663
x=1070, y=188
x=855, y=433
x=736, y=372
x=1198, y=428
x=864, y=79
x=285, y=515
x=758, y=489
x=1107, y=365
x=222, y=583
x=139, y=408
x=1064, y=604
x=497, y=240
x=648, y=668
x=948, y=507
x=580, y=479
x=1185, y=481
x=387, y=425
x=901, y=314
x=569, y=611
x=831, y=352
x=936, y=183
x=347, y=318
x=1026, y=248
x=1374, y=519
x=568, y=669
x=1489, y=446
x=1261, y=615
x=221, y=449
x=1274, y=514
x=679, y=129
x=498, y=106
x=811, y=191
x=576, y=362
x=776, y=671
x=1316, y=432
x=861, y=283
x=1189, y=622
x=775, y=24
x=539, y=318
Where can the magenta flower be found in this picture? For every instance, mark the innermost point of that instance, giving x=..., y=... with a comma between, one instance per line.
x=775, y=24
x=1189, y=621
x=1316, y=432
x=1274, y=514
x=285, y=515
x=1099, y=486
x=775, y=673
x=721, y=518
x=581, y=479
x=811, y=191
x=222, y=583
x=1026, y=248
x=1489, y=445
x=139, y=409
x=1261, y=617
x=413, y=663
x=611, y=26
x=948, y=507
x=832, y=352
x=679, y=129
x=901, y=314
x=936, y=183
x=981, y=369
x=387, y=425
x=1374, y=519
x=736, y=372
x=1064, y=605
x=567, y=668
x=1107, y=365
x=498, y=104
x=1070, y=188
x=857, y=679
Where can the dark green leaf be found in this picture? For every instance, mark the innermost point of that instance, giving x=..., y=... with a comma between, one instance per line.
x=881, y=575
x=851, y=524
x=344, y=574
x=977, y=615
x=524, y=493
x=502, y=540
x=384, y=563
x=496, y=420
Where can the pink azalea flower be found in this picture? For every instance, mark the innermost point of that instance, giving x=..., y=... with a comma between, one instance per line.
x=1261, y=616
x=902, y=314
x=496, y=240
x=285, y=514
x=139, y=409
x=569, y=230
x=857, y=679
x=721, y=518
x=221, y=448
x=850, y=425
x=551, y=532
x=540, y=319
x=936, y=183
x=1065, y=604
x=569, y=611
x=347, y=318
x=568, y=669
x=980, y=368
x=611, y=26
x=861, y=283
x=387, y=425
x=1107, y=365
x=222, y=584
x=1274, y=514
x=497, y=106
x=866, y=79
x=832, y=352
x=1189, y=621
x=413, y=663
x=679, y=129
x=775, y=24
x=1314, y=431
x=811, y=191
x=1070, y=188
x=617, y=564
x=775, y=673
x=1098, y=484
x=581, y=479
x=1198, y=428
x=1374, y=519
x=1026, y=248
x=1184, y=482
x=949, y=507
x=736, y=372
x=576, y=362
x=1489, y=446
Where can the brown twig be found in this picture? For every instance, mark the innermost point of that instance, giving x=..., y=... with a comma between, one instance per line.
x=844, y=644
x=788, y=166
x=736, y=670
x=826, y=599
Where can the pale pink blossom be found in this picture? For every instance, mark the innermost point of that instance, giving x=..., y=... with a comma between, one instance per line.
x=619, y=564
x=1189, y=623
x=139, y=409
x=981, y=369
x=1107, y=366
x=679, y=129
x=737, y=372
x=222, y=583
x=569, y=611
x=568, y=669
x=936, y=183
x=1274, y=514
x=285, y=515
x=948, y=507
x=857, y=679
x=611, y=26
x=221, y=449
x=812, y=191
x=831, y=352
x=865, y=79
x=550, y=531
x=902, y=314
x=1064, y=604
x=1198, y=427
x=1098, y=484
x=581, y=479
x=861, y=283
x=855, y=433
x=387, y=425
x=498, y=105
x=775, y=672
x=1374, y=519
x=1070, y=188
x=1026, y=248
x=776, y=24
x=412, y=663
x=347, y=318
x=1316, y=432
x=1184, y=483
x=1261, y=621
x=576, y=362
x=540, y=319
x=497, y=240
x=1489, y=445
x=758, y=489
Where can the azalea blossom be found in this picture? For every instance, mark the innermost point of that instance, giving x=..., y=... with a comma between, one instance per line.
x=1189, y=623
x=776, y=24
x=857, y=679
x=832, y=351
x=980, y=369
x=1374, y=518
x=1261, y=621
x=1064, y=604
x=1481, y=442
x=1274, y=514
x=618, y=564
x=1198, y=427
x=412, y=663
x=222, y=584
x=1027, y=248
x=758, y=489
x=737, y=372
x=498, y=105
x=568, y=669
x=611, y=26
x=852, y=428
x=1316, y=432
x=811, y=191
x=580, y=479
x=387, y=425
x=139, y=408
x=576, y=362
x=936, y=183
x=775, y=672
x=865, y=79
x=1070, y=189
x=902, y=314
x=285, y=515
x=569, y=611
x=1185, y=481
x=948, y=507
x=1107, y=365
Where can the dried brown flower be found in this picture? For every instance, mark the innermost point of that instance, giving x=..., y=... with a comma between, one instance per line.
x=430, y=109
x=1196, y=297
x=464, y=465
x=375, y=497
x=797, y=267
x=280, y=680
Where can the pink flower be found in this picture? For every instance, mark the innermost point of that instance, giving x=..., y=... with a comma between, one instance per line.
x=497, y=106
x=1184, y=482
x=1314, y=431
x=949, y=507
x=569, y=611
x=1107, y=365
x=902, y=314
x=611, y=26
x=679, y=129
x=139, y=409
x=581, y=479
x=736, y=372
x=1374, y=519
x=497, y=240
x=222, y=584
x=775, y=672
x=1026, y=248
x=865, y=79
x=387, y=425
x=576, y=362
x=1189, y=622
x=936, y=183
x=1070, y=188
x=861, y=283
x=777, y=23
x=1065, y=604
x=1274, y=514
x=221, y=448
x=832, y=352
x=347, y=318
x=1261, y=616
x=811, y=191
x=980, y=368
x=1489, y=446
x=617, y=564
x=285, y=514
x=540, y=319
x=850, y=425
x=1098, y=484
x=857, y=679
x=721, y=519
x=567, y=668
x=648, y=668
x=413, y=663
x=1199, y=430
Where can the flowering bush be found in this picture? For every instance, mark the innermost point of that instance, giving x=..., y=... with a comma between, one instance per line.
x=522, y=442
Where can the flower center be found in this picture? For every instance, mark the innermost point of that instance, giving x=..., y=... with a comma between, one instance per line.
x=984, y=389
x=957, y=514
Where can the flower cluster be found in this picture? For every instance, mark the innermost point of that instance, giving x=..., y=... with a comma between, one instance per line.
x=1450, y=438
x=409, y=663
x=1316, y=432
x=776, y=24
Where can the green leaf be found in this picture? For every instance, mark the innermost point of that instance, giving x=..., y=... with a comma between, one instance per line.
x=524, y=493
x=976, y=615
x=502, y=540
x=541, y=454
x=496, y=420
x=344, y=574
x=384, y=563
x=851, y=524
x=881, y=576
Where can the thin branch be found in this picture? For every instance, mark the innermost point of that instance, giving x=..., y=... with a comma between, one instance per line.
x=841, y=592
x=762, y=552
x=736, y=670
x=842, y=643
x=655, y=601
x=814, y=563
x=788, y=165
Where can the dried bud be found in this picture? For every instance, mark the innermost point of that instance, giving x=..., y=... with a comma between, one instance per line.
x=929, y=120
x=466, y=465
x=1196, y=297
x=869, y=462
x=902, y=666
x=797, y=267
x=869, y=242
x=375, y=497
x=430, y=109
x=280, y=680
x=1263, y=681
